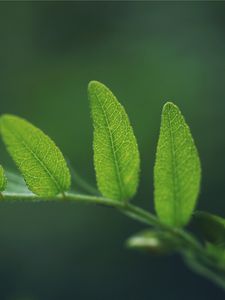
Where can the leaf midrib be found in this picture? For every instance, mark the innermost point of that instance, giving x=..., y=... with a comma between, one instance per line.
x=19, y=136
x=117, y=169
x=174, y=169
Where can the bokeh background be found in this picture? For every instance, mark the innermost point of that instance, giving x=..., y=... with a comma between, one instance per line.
x=147, y=53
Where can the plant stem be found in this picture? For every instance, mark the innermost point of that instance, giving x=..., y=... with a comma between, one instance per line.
x=204, y=270
x=147, y=218
x=187, y=241
x=67, y=196
x=128, y=209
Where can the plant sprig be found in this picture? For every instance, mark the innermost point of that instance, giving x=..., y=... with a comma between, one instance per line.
x=177, y=176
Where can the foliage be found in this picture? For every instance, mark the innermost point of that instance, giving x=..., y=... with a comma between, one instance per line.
x=177, y=176
x=177, y=171
x=116, y=156
x=37, y=157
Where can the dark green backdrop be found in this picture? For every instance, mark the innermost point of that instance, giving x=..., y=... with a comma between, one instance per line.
x=147, y=53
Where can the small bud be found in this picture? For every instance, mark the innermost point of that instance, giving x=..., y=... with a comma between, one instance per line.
x=153, y=241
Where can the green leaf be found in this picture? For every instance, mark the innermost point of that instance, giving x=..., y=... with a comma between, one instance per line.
x=153, y=241
x=212, y=227
x=177, y=171
x=116, y=156
x=15, y=183
x=3, y=179
x=36, y=155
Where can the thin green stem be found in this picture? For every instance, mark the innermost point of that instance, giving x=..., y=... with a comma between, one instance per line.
x=128, y=209
x=204, y=270
x=67, y=196
x=147, y=218
x=187, y=241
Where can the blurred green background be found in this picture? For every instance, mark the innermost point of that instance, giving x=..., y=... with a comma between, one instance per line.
x=147, y=53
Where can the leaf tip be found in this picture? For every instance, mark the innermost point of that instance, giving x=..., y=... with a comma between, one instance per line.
x=7, y=117
x=4, y=116
x=169, y=105
x=93, y=84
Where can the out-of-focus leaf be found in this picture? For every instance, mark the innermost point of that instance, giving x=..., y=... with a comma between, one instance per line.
x=16, y=183
x=218, y=252
x=3, y=179
x=212, y=227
